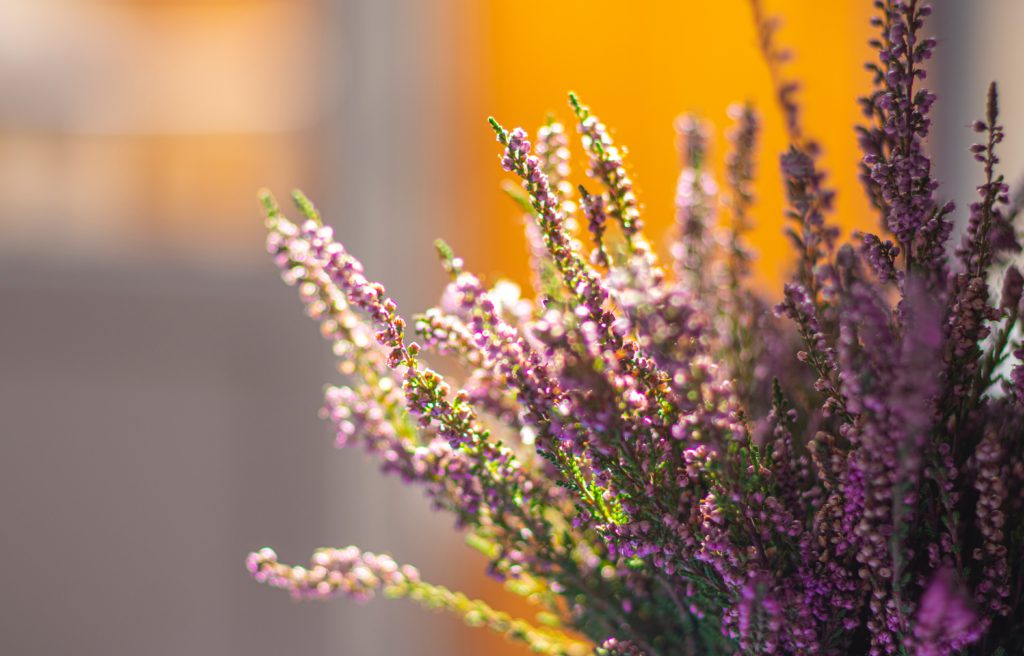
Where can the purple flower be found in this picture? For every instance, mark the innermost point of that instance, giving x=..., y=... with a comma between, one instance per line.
x=945, y=622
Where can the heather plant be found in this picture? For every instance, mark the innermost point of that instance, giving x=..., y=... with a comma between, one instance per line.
x=662, y=463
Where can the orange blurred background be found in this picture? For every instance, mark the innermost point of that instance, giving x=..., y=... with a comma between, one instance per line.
x=639, y=68
x=159, y=386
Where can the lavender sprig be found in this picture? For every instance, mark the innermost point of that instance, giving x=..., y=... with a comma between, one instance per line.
x=361, y=575
x=901, y=183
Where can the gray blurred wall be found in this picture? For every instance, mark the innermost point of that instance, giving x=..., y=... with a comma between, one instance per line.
x=158, y=401
x=978, y=42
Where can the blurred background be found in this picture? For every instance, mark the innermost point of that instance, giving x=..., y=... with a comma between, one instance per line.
x=158, y=384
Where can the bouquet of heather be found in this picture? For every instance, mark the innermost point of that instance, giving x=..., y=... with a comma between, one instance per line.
x=662, y=464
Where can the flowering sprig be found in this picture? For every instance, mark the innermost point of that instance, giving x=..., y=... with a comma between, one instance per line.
x=693, y=249
x=809, y=202
x=606, y=165
x=740, y=175
x=972, y=311
x=360, y=575
x=776, y=56
x=897, y=171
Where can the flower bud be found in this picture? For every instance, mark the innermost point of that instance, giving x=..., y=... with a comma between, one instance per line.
x=1013, y=287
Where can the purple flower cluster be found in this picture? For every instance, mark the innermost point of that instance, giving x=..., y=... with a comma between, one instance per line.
x=658, y=462
x=333, y=572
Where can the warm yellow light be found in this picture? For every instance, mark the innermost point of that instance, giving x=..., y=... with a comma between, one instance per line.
x=639, y=65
